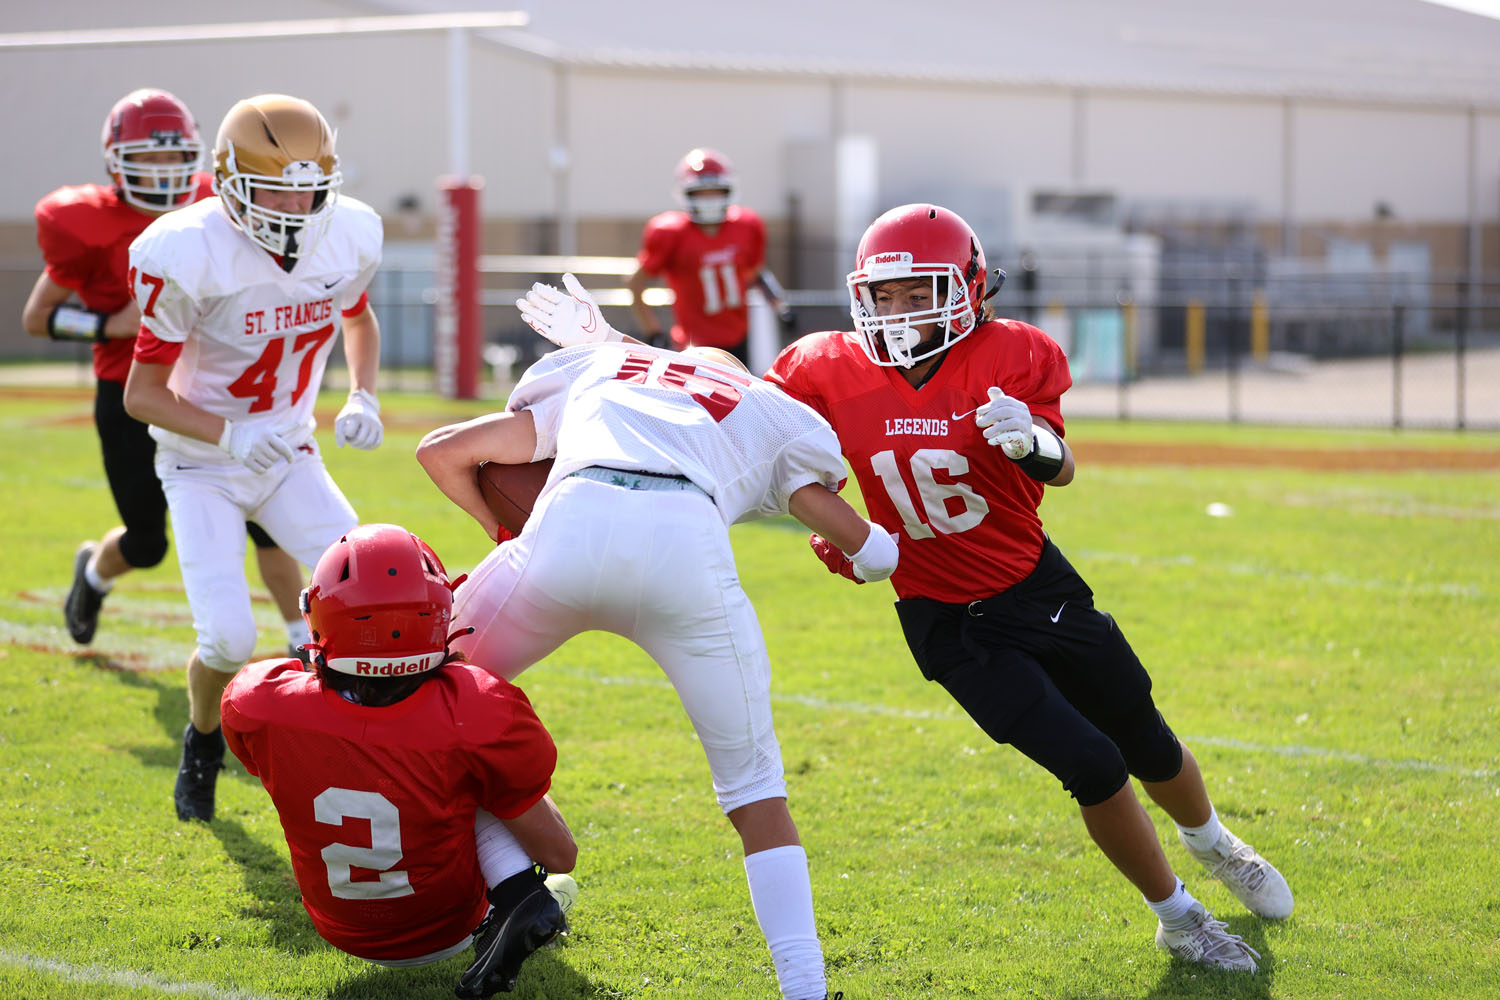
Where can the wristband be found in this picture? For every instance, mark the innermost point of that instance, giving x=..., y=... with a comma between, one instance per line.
x=1045, y=460
x=67, y=322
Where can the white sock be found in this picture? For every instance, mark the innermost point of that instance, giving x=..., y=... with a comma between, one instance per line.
x=500, y=854
x=1203, y=838
x=1173, y=911
x=297, y=633
x=91, y=573
x=781, y=892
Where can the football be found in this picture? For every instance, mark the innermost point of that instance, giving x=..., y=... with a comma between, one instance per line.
x=510, y=491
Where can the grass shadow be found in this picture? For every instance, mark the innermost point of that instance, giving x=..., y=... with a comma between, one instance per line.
x=1185, y=979
x=545, y=976
x=276, y=900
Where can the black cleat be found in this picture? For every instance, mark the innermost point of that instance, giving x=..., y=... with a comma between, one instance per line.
x=81, y=609
x=197, y=775
x=504, y=940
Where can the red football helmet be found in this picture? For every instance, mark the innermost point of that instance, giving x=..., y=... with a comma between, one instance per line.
x=379, y=604
x=151, y=121
x=917, y=241
x=705, y=186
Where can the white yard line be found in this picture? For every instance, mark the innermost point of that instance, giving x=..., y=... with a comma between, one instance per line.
x=126, y=978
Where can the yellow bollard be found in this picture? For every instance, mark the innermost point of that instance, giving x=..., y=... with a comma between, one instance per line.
x=1260, y=327
x=1195, y=336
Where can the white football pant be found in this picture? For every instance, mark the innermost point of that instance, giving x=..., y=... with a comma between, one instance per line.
x=298, y=505
x=656, y=567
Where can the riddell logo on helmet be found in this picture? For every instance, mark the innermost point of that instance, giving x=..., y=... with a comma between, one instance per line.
x=393, y=668
x=893, y=257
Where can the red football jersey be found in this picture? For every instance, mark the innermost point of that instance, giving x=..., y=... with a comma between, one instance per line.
x=707, y=274
x=85, y=234
x=966, y=513
x=378, y=803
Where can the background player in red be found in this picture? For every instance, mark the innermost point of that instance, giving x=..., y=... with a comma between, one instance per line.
x=990, y=608
x=709, y=253
x=390, y=761
x=152, y=153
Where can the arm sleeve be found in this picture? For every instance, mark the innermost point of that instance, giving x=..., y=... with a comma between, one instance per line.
x=1043, y=379
x=65, y=254
x=656, y=247
x=516, y=765
x=238, y=727
x=354, y=295
x=543, y=390
x=812, y=458
x=168, y=310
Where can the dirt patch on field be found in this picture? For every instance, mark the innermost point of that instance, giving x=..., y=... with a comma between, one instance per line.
x=1096, y=451
x=1349, y=460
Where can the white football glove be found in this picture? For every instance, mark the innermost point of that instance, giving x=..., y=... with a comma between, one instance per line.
x=566, y=318
x=256, y=446
x=876, y=559
x=1006, y=422
x=358, y=423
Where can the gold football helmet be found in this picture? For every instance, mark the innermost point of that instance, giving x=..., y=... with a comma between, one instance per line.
x=276, y=172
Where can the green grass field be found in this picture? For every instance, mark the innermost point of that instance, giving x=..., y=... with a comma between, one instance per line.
x=1331, y=652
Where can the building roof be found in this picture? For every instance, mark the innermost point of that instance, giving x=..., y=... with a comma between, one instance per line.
x=1372, y=50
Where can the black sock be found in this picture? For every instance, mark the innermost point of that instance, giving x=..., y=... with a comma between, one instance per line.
x=511, y=891
x=206, y=744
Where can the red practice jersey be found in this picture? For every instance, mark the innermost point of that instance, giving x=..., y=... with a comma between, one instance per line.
x=966, y=513
x=707, y=274
x=85, y=234
x=378, y=804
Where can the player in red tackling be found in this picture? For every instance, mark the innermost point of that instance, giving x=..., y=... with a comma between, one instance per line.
x=950, y=420
x=412, y=786
x=709, y=253
x=152, y=153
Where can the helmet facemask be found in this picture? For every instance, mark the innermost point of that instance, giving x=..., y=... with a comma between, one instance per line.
x=707, y=206
x=291, y=235
x=895, y=339
x=154, y=187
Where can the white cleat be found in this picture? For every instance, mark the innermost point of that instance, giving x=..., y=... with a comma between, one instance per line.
x=565, y=888
x=1208, y=942
x=1254, y=881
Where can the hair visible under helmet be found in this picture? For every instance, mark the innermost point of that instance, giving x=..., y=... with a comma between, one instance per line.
x=151, y=121
x=380, y=608
x=279, y=144
x=917, y=242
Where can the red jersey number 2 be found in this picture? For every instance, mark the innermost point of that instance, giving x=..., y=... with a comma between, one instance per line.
x=717, y=393
x=258, y=382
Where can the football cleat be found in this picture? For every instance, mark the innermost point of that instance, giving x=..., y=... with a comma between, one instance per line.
x=81, y=609
x=1207, y=942
x=503, y=941
x=1252, y=879
x=197, y=774
x=565, y=888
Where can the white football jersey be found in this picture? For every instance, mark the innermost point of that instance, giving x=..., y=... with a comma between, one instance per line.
x=255, y=338
x=743, y=441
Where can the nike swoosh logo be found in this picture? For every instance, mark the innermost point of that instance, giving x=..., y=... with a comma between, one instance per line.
x=593, y=323
x=1059, y=612
x=329, y=284
x=960, y=416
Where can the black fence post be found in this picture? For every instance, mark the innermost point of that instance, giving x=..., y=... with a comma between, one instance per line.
x=1231, y=334
x=1460, y=345
x=1398, y=330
